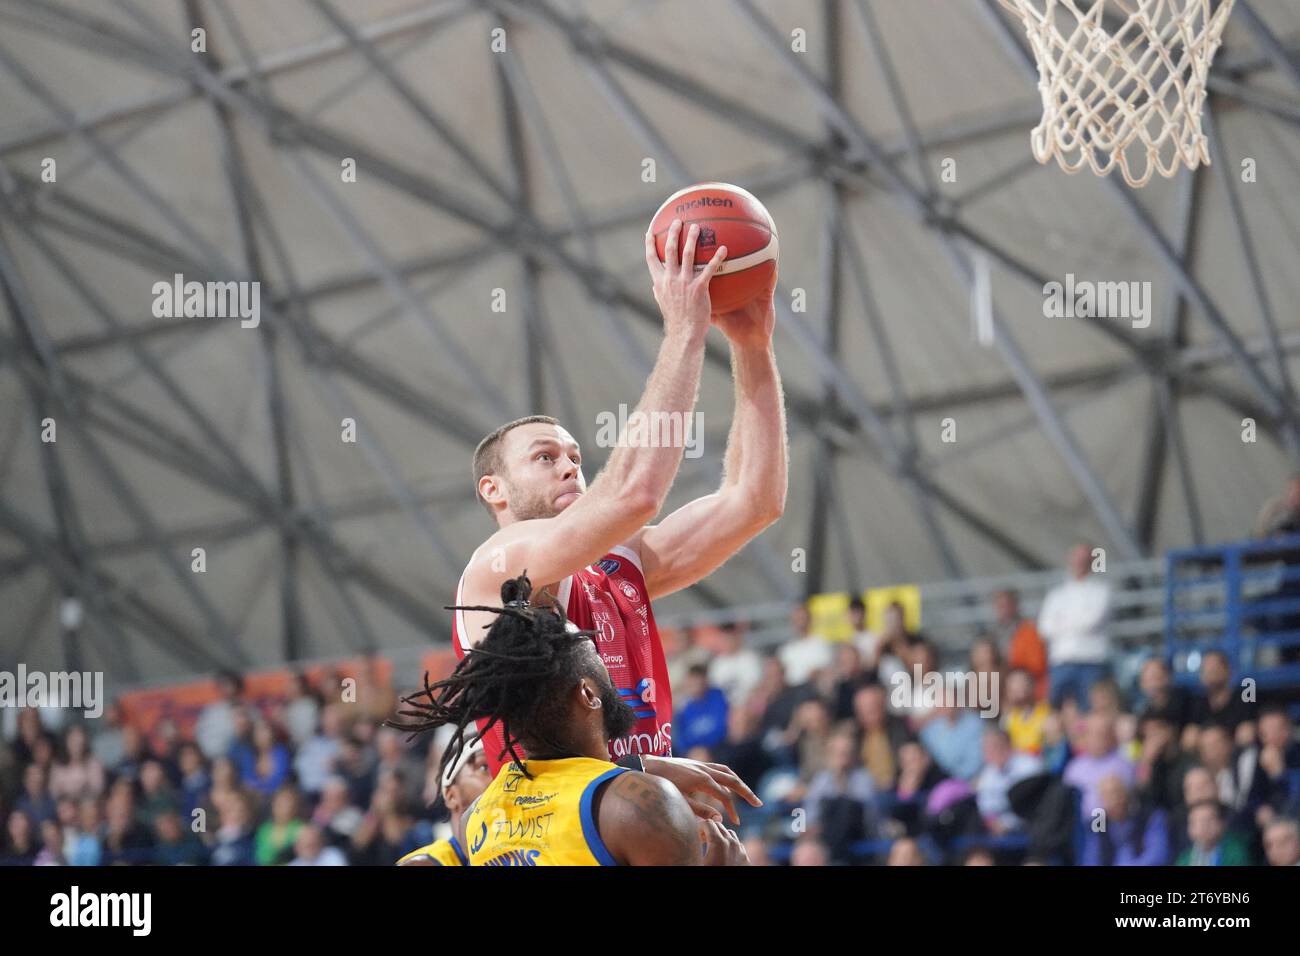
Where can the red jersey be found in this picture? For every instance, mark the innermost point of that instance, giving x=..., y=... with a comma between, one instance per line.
x=609, y=597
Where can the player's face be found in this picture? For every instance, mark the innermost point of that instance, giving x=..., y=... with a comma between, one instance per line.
x=545, y=471
x=469, y=783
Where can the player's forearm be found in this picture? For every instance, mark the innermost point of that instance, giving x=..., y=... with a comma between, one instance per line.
x=644, y=470
x=756, y=463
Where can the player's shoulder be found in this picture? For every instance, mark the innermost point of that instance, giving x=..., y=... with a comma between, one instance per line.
x=624, y=559
x=646, y=815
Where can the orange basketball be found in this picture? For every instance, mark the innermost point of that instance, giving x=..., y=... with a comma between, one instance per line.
x=728, y=216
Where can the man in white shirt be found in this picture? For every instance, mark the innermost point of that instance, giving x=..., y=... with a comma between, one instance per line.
x=1073, y=623
x=736, y=669
x=806, y=653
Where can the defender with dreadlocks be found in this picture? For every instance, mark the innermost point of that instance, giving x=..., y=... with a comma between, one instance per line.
x=541, y=680
x=594, y=550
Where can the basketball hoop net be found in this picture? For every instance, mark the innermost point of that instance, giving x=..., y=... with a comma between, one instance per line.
x=1126, y=91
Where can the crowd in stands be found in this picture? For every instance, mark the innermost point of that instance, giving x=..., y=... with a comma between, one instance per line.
x=1061, y=766
x=310, y=780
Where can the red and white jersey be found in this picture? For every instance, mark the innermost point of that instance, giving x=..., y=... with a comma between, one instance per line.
x=610, y=598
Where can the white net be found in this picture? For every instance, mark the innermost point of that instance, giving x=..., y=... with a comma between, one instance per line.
x=1123, y=82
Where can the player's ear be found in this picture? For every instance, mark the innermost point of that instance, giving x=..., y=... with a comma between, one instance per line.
x=589, y=694
x=491, y=489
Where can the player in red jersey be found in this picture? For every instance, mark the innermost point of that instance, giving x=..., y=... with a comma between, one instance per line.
x=595, y=548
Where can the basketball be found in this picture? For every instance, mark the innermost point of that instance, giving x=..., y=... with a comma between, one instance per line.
x=728, y=216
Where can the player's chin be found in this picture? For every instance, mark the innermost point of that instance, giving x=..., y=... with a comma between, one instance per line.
x=566, y=499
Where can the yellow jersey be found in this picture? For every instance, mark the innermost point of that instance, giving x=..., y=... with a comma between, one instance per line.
x=545, y=821
x=438, y=853
x=1024, y=725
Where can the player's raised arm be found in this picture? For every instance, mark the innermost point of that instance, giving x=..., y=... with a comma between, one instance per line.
x=696, y=539
x=551, y=525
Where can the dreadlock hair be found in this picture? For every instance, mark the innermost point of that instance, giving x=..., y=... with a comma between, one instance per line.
x=518, y=676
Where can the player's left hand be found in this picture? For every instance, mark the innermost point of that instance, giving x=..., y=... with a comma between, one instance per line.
x=696, y=779
x=750, y=326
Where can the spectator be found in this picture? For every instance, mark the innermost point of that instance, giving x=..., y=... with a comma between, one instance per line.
x=756, y=849
x=335, y=816
x=809, y=851
x=1211, y=844
x=51, y=851
x=81, y=842
x=806, y=652
x=1019, y=636
x=842, y=679
x=840, y=798
x=685, y=657
x=275, y=839
x=1003, y=767
x=1268, y=768
x=1024, y=716
x=1216, y=755
x=861, y=638
x=917, y=776
x=1131, y=834
x=20, y=849
x=906, y=852
x=882, y=735
x=233, y=843
x=1221, y=703
x=156, y=794
x=986, y=661
x=952, y=736
x=108, y=744
x=736, y=669
x=1282, y=842
x=893, y=649
x=743, y=751
x=1160, y=698
x=134, y=754
x=803, y=742
x=314, y=763
x=1100, y=759
x=36, y=801
x=978, y=856
x=175, y=844
x=302, y=712
x=1073, y=622
x=266, y=767
x=1162, y=763
x=215, y=729
x=195, y=779
x=125, y=841
x=76, y=773
x=311, y=850
x=395, y=755
x=701, y=720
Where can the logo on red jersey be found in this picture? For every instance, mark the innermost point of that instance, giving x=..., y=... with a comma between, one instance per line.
x=608, y=565
x=629, y=590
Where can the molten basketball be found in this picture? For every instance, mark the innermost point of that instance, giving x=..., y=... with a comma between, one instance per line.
x=728, y=216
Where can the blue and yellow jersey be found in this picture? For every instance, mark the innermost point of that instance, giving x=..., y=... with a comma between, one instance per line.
x=438, y=853
x=545, y=821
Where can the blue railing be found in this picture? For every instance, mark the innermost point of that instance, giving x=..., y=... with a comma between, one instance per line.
x=1241, y=598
